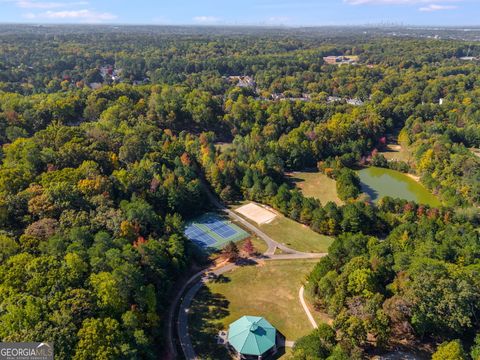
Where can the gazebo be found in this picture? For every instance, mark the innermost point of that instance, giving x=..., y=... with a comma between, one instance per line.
x=252, y=337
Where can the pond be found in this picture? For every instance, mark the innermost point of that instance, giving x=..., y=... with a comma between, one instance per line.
x=380, y=182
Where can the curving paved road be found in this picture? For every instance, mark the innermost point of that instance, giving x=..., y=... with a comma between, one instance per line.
x=172, y=351
x=182, y=320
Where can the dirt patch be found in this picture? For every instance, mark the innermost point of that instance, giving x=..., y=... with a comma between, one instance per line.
x=256, y=213
x=414, y=177
x=395, y=147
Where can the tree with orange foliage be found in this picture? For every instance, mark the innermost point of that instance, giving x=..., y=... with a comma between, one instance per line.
x=248, y=247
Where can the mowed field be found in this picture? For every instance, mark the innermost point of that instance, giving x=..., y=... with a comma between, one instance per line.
x=223, y=146
x=397, y=152
x=296, y=236
x=269, y=289
x=316, y=185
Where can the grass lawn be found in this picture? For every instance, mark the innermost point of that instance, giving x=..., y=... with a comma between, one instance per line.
x=398, y=152
x=316, y=185
x=296, y=235
x=223, y=146
x=269, y=289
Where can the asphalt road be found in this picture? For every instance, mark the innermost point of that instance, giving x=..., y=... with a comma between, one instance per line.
x=182, y=320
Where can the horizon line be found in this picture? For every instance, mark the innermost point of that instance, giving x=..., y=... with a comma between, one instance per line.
x=285, y=26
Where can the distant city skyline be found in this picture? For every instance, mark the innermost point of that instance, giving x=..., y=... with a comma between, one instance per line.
x=246, y=12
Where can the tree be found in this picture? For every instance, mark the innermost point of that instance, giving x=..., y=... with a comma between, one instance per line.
x=339, y=353
x=348, y=184
x=475, y=350
x=317, y=345
x=100, y=339
x=110, y=295
x=248, y=247
x=452, y=350
x=227, y=194
x=93, y=76
x=8, y=247
x=42, y=229
x=230, y=251
x=445, y=299
x=353, y=330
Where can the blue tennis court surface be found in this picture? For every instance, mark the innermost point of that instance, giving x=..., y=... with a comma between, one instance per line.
x=213, y=231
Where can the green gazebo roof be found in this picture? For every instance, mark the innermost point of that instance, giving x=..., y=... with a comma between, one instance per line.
x=251, y=335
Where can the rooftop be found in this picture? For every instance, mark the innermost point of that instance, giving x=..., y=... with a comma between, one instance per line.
x=251, y=335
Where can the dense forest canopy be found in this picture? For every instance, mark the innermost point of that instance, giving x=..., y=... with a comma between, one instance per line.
x=108, y=141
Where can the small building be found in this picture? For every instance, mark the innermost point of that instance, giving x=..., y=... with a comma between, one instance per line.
x=95, y=85
x=340, y=60
x=332, y=60
x=243, y=81
x=468, y=58
x=332, y=99
x=252, y=337
x=355, y=102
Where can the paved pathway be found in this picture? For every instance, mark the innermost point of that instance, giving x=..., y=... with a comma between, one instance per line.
x=305, y=307
x=294, y=256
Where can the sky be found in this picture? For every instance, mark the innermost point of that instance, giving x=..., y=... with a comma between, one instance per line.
x=244, y=12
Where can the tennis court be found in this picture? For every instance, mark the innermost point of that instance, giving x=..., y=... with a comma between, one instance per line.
x=212, y=231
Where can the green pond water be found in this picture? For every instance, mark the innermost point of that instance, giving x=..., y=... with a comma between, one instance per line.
x=379, y=182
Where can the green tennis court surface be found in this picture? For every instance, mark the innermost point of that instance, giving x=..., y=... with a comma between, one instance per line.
x=212, y=231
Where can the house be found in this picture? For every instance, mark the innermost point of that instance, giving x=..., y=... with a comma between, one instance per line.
x=95, y=85
x=141, y=82
x=468, y=58
x=106, y=70
x=332, y=99
x=243, y=81
x=340, y=60
x=355, y=102
x=276, y=96
x=110, y=72
x=332, y=60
